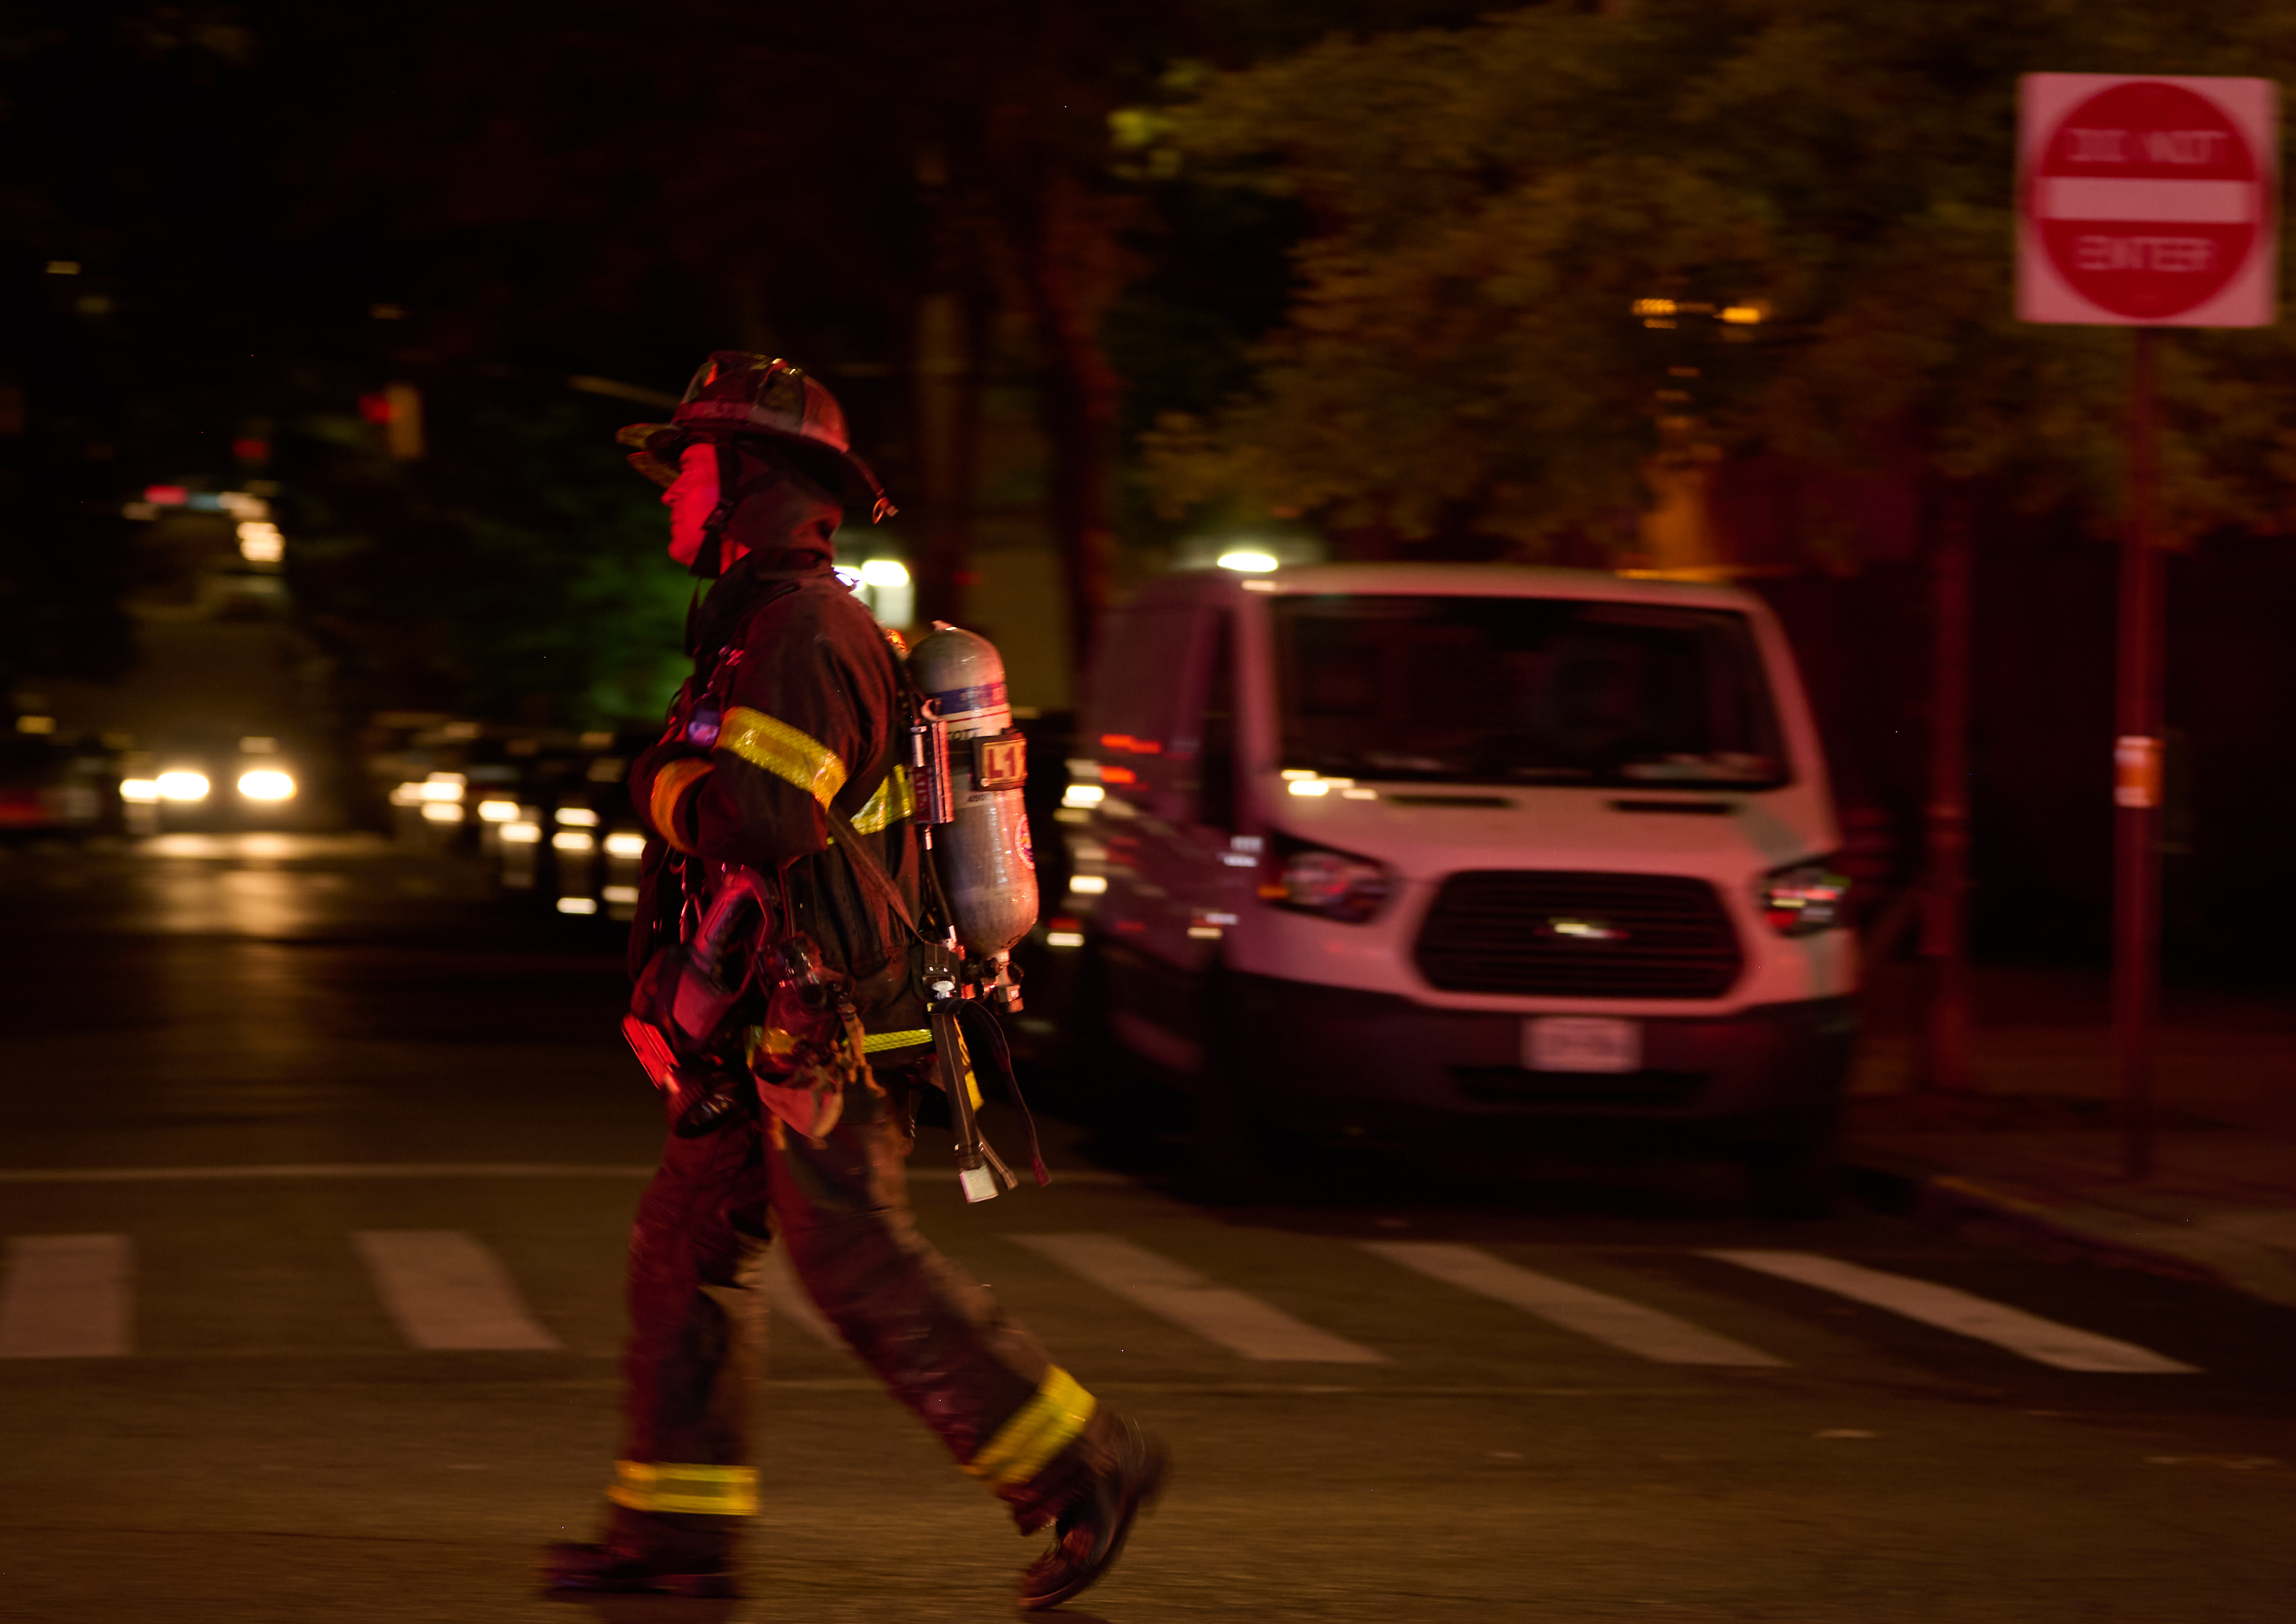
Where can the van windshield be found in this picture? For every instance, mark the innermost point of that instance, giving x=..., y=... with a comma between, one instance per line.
x=1522, y=691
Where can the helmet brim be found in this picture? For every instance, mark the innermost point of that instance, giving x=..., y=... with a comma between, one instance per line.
x=655, y=449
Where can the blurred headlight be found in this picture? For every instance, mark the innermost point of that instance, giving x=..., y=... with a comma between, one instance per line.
x=265, y=784
x=1804, y=898
x=571, y=840
x=442, y=812
x=139, y=792
x=521, y=834
x=183, y=786
x=498, y=812
x=1083, y=795
x=1333, y=883
x=440, y=786
x=577, y=817
x=622, y=843
x=578, y=904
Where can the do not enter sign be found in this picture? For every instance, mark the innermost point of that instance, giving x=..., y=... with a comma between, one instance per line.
x=2147, y=201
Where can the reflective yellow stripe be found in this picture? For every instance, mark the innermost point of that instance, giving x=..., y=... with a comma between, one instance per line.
x=783, y=751
x=670, y=786
x=964, y=1063
x=893, y=802
x=878, y=1041
x=1045, y=1424
x=722, y=1491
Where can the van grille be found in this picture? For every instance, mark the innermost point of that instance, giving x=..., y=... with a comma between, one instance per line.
x=1561, y=934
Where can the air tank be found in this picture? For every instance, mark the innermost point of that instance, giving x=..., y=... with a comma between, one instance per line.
x=986, y=863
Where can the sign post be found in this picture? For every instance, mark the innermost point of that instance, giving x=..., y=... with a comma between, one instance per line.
x=2145, y=203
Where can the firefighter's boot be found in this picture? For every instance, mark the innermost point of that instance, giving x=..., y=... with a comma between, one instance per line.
x=1088, y=1536
x=648, y=1555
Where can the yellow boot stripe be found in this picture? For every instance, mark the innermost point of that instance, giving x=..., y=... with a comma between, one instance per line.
x=783, y=751
x=723, y=1491
x=1045, y=1426
x=893, y=802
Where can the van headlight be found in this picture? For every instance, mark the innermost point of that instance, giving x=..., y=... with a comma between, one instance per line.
x=1804, y=898
x=266, y=784
x=1336, y=885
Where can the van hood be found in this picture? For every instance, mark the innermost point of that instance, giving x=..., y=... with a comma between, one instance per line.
x=1425, y=832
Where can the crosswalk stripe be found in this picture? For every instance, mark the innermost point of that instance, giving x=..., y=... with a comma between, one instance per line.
x=66, y=1296
x=1234, y=1319
x=445, y=1290
x=787, y=1299
x=2035, y=1338
x=1650, y=1333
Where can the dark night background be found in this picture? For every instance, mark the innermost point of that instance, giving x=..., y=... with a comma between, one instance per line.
x=320, y=1136
x=540, y=217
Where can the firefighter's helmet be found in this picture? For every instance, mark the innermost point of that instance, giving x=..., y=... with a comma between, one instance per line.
x=736, y=395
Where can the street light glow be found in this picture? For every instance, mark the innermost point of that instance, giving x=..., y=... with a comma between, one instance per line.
x=260, y=542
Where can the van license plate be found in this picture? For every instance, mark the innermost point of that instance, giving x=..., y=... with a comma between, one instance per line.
x=1581, y=1043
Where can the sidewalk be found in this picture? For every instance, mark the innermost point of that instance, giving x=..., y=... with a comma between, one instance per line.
x=2038, y=1146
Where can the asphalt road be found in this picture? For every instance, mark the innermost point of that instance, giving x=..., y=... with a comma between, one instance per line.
x=316, y=1167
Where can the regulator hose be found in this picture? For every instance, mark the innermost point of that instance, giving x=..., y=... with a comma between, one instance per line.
x=992, y=1039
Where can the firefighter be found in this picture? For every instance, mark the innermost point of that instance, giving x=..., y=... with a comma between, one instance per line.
x=794, y=717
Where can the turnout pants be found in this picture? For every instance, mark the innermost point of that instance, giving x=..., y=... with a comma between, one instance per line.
x=968, y=1370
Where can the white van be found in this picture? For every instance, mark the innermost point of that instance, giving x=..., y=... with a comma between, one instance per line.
x=1367, y=849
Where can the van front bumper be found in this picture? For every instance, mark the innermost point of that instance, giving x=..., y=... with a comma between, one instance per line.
x=1321, y=1059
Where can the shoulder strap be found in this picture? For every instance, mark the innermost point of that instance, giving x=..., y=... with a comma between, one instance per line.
x=737, y=629
x=871, y=873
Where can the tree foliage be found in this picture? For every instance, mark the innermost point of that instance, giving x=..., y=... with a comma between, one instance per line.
x=1488, y=204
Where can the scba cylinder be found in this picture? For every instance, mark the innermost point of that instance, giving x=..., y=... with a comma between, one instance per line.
x=985, y=861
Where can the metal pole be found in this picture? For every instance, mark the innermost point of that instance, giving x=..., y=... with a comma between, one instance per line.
x=1945, y=905
x=2137, y=775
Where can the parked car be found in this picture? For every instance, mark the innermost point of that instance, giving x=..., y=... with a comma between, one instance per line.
x=53, y=786
x=547, y=811
x=1361, y=851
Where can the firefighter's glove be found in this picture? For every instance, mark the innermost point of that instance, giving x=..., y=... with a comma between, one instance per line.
x=680, y=1027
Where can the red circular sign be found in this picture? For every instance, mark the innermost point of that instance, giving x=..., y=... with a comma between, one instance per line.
x=2146, y=198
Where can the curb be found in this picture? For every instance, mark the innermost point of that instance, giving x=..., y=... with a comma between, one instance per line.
x=1949, y=1200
